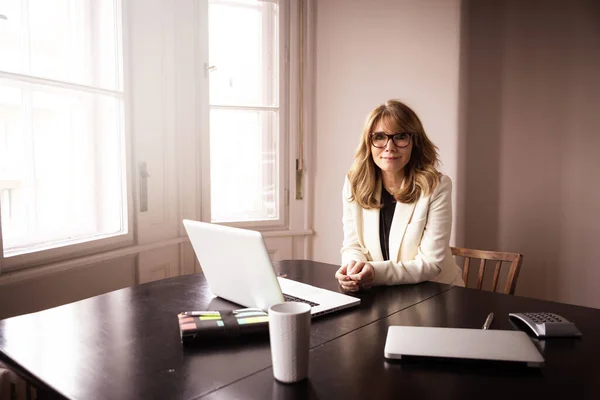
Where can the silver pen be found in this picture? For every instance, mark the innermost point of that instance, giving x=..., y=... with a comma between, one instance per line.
x=488, y=321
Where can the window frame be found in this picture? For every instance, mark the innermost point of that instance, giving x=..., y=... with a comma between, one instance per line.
x=283, y=137
x=85, y=246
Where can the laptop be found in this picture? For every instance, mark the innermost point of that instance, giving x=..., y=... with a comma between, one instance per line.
x=461, y=343
x=237, y=267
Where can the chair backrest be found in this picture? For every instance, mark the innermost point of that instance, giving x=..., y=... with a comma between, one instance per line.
x=515, y=260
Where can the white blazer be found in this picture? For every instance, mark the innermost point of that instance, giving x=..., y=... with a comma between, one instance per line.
x=419, y=238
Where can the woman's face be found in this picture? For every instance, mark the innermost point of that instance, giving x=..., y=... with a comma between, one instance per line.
x=390, y=158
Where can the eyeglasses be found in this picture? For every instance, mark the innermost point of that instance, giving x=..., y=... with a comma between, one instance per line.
x=380, y=139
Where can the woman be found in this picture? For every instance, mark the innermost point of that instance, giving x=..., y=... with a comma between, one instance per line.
x=397, y=213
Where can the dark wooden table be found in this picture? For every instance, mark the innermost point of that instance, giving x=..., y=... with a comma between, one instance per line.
x=125, y=345
x=353, y=367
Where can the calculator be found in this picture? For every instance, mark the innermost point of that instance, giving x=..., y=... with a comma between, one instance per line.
x=544, y=324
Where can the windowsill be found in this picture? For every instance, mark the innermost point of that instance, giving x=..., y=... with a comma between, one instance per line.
x=57, y=244
x=17, y=274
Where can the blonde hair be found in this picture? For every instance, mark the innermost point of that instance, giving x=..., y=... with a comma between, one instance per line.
x=421, y=176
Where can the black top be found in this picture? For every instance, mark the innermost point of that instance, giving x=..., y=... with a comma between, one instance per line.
x=386, y=215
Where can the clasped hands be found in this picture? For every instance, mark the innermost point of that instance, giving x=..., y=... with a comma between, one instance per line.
x=355, y=275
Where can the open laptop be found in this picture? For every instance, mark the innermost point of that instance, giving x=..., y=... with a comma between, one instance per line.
x=237, y=267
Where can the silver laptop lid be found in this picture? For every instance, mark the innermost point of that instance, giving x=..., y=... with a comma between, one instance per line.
x=475, y=344
x=236, y=264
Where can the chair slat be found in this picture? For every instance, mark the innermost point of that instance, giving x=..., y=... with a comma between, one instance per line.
x=496, y=275
x=513, y=275
x=466, y=270
x=481, y=272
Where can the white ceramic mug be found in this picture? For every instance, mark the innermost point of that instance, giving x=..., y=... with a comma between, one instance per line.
x=289, y=332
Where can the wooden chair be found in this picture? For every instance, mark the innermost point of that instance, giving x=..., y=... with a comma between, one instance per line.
x=515, y=260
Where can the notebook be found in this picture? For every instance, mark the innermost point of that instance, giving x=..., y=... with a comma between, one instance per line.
x=474, y=344
x=237, y=267
x=205, y=326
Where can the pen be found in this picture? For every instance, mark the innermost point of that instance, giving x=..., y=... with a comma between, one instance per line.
x=488, y=321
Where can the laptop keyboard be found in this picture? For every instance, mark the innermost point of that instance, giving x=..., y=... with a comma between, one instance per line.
x=287, y=297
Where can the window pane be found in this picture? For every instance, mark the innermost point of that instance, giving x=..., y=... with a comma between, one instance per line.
x=57, y=40
x=61, y=166
x=11, y=124
x=73, y=41
x=11, y=36
x=244, y=165
x=246, y=58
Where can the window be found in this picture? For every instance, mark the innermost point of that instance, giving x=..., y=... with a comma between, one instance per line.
x=246, y=118
x=62, y=156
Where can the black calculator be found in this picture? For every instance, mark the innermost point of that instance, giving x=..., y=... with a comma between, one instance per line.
x=544, y=324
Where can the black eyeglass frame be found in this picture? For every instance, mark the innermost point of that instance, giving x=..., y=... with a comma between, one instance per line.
x=410, y=135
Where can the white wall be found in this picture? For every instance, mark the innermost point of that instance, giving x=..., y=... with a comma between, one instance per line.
x=369, y=52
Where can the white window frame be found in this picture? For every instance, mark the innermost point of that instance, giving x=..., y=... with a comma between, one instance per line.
x=285, y=14
x=70, y=249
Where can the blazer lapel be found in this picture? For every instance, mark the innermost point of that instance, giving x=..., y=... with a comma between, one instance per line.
x=402, y=215
x=371, y=233
x=371, y=228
